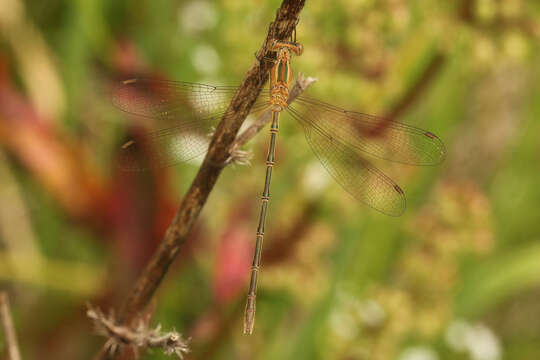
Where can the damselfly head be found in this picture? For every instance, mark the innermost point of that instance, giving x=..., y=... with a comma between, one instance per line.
x=284, y=48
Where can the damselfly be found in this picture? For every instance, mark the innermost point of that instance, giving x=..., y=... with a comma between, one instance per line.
x=186, y=113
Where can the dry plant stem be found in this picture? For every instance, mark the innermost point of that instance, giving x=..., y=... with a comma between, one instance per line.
x=142, y=337
x=9, y=329
x=216, y=158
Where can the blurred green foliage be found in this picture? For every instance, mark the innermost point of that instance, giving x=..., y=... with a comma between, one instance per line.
x=456, y=277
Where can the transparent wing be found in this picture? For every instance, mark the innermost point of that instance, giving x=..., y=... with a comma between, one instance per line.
x=373, y=135
x=184, y=115
x=355, y=174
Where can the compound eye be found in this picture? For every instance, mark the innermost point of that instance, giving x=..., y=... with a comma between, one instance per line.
x=273, y=44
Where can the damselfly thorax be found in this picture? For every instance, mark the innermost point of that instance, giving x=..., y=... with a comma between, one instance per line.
x=280, y=75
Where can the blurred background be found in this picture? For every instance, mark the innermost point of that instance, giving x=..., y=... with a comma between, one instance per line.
x=456, y=277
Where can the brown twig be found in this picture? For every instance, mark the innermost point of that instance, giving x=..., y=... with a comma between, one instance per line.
x=214, y=162
x=9, y=329
x=139, y=338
